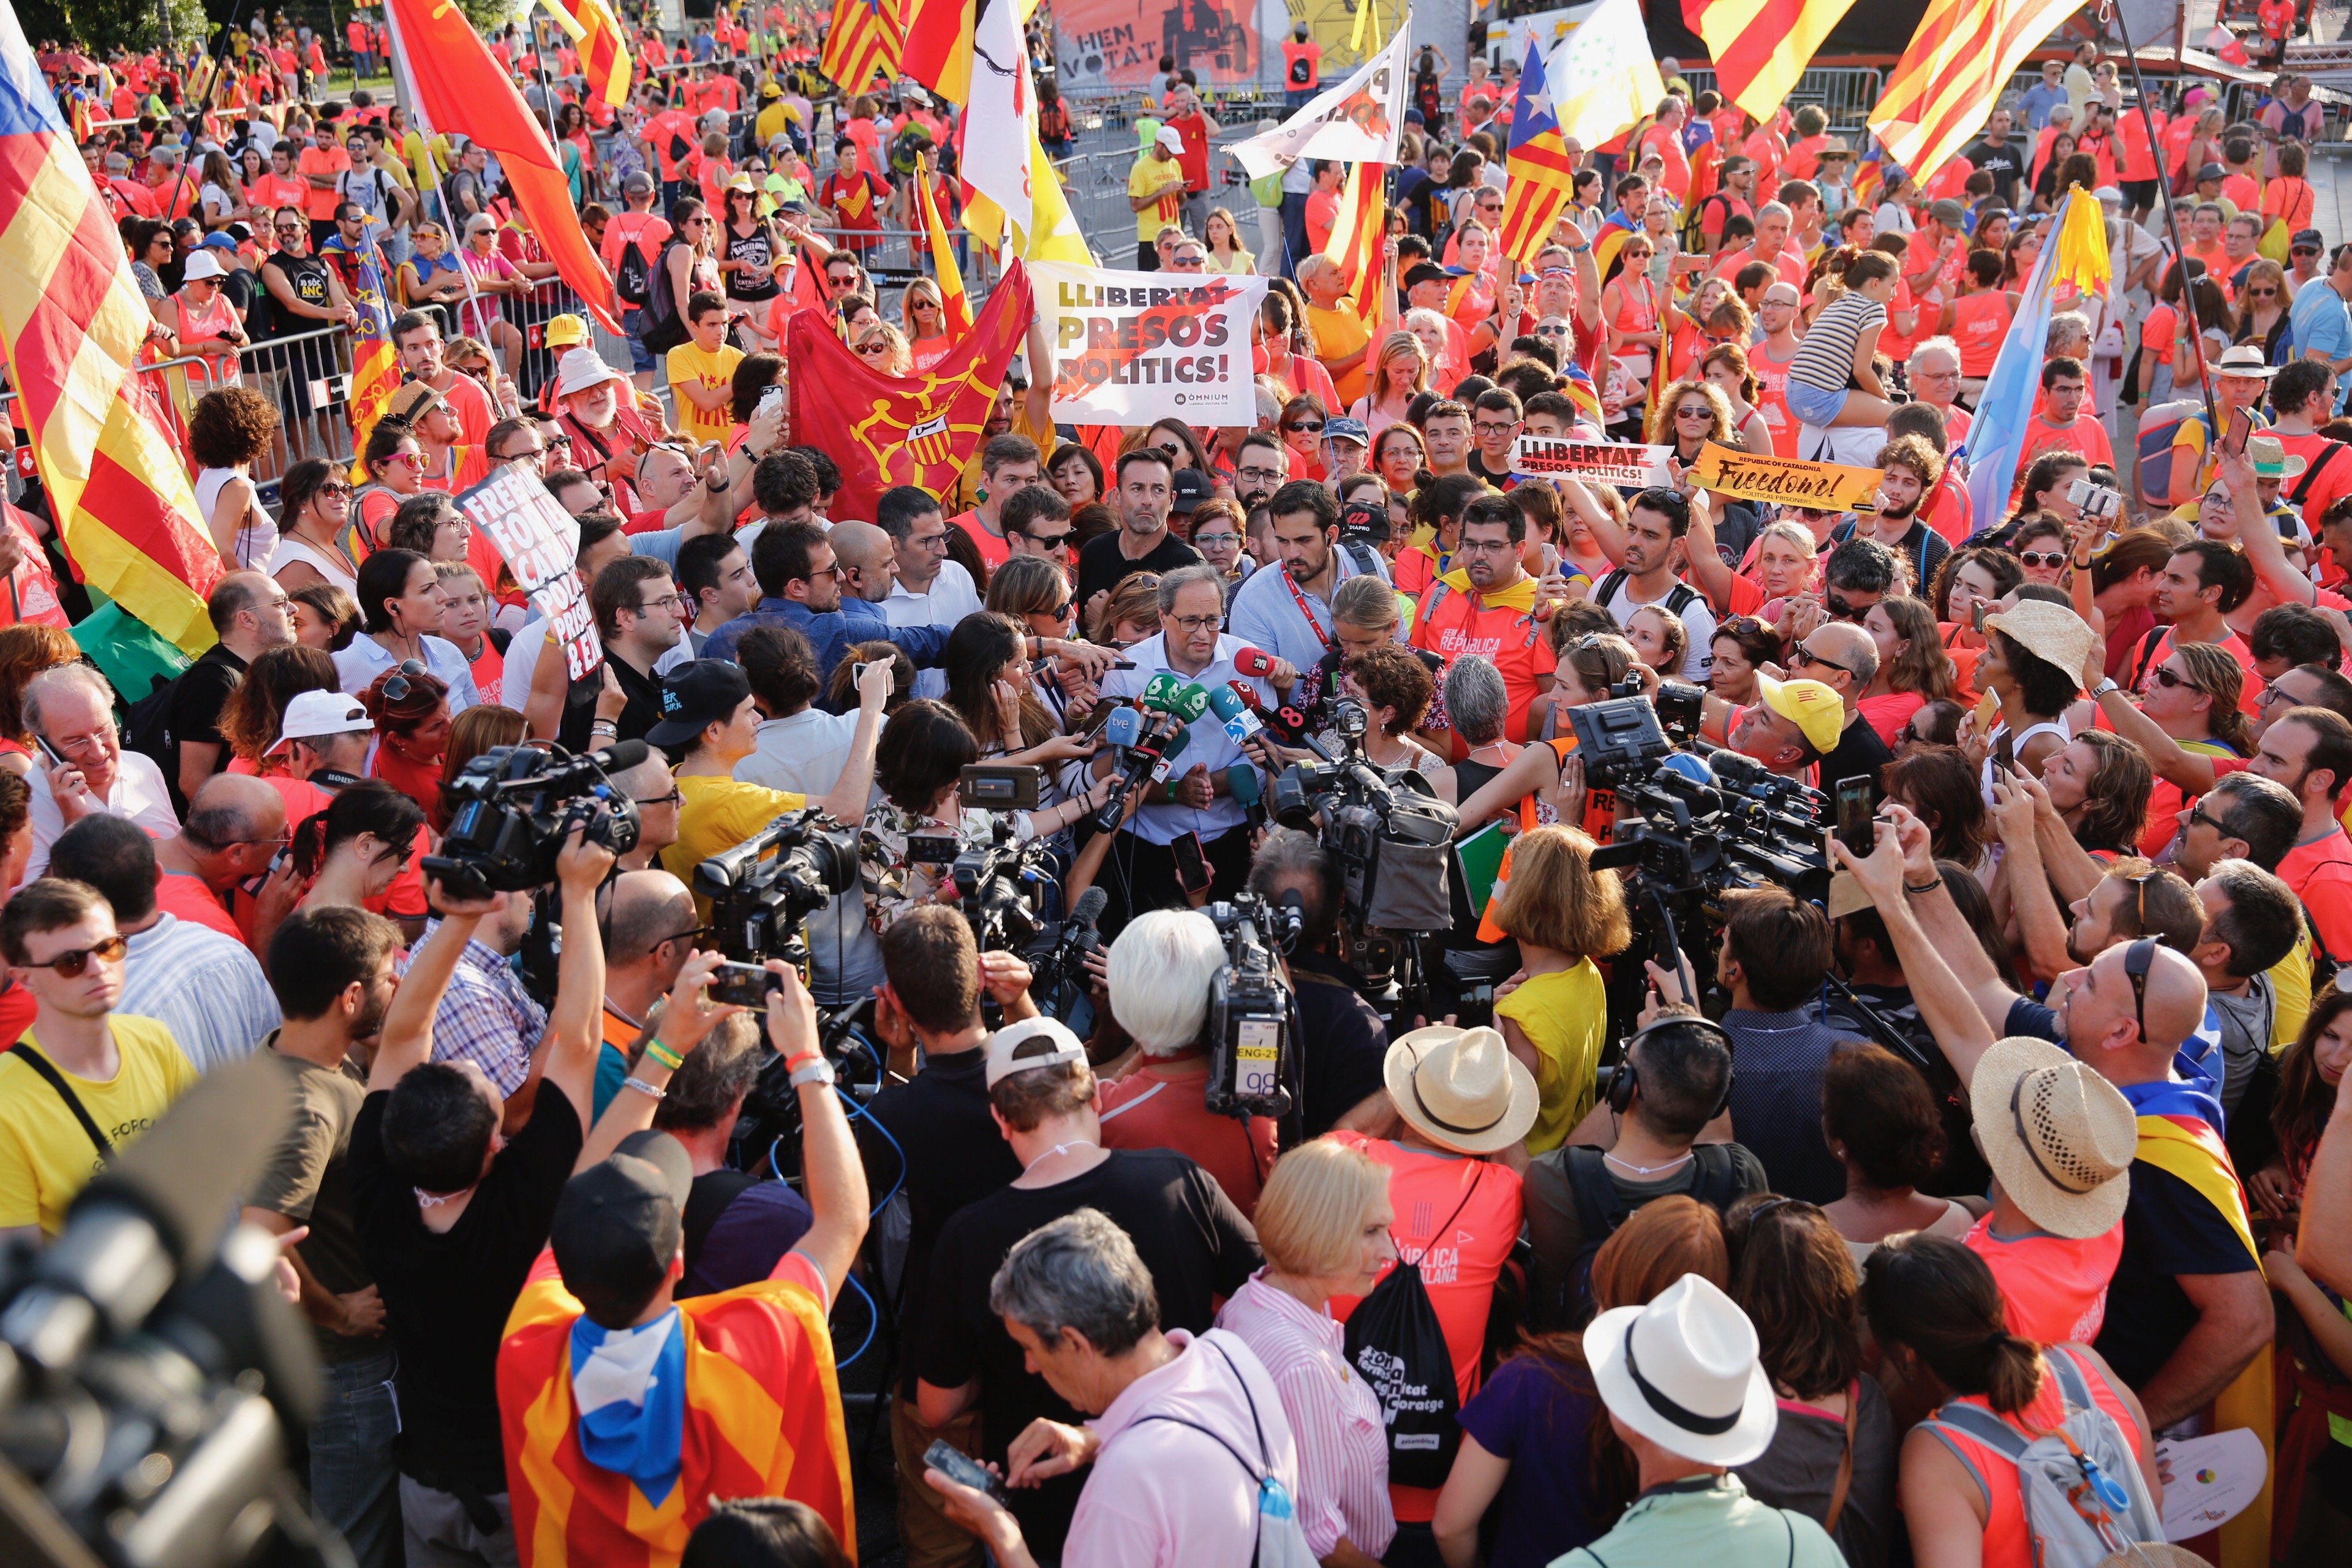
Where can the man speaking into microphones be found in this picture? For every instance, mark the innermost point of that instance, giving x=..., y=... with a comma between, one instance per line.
x=1190, y=839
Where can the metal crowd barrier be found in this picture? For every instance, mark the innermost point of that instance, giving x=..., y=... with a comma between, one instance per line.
x=1845, y=93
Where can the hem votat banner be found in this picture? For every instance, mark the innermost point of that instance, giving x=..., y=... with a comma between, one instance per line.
x=1132, y=347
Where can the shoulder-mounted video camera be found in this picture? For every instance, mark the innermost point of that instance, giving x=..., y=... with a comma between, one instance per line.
x=514, y=806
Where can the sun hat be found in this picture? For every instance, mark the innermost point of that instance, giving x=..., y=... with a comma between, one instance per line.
x=1810, y=705
x=2050, y=633
x=2268, y=455
x=412, y=402
x=1682, y=1371
x=2059, y=1138
x=1461, y=1089
x=2246, y=360
x=1031, y=1043
x=202, y=264
x=312, y=715
x=581, y=369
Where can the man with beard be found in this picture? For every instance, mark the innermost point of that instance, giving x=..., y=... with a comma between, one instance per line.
x=1259, y=464
x=1909, y=471
x=416, y=338
x=1485, y=606
x=1657, y=521
x=1146, y=490
x=1288, y=612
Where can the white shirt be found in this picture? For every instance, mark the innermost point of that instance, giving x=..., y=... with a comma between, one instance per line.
x=950, y=598
x=1699, y=621
x=365, y=659
x=522, y=658
x=803, y=753
x=138, y=793
x=207, y=988
x=1209, y=745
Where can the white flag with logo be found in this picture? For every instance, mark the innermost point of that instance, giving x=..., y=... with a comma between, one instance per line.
x=1355, y=122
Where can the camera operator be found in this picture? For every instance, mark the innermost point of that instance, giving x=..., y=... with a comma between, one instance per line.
x=1486, y=605
x=711, y=723
x=1590, y=667
x=739, y=1224
x=649, y=929
x=1288, y=612
x=1141, y=871
x=426, y=1155
x=933, y=1138
x=1161, y=968
x=1341, y=1040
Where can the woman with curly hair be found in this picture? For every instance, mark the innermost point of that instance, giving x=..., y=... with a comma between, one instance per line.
x=1396, y=689
x=230, y=429
x=1690, y=415
x=249, y=719
x=26, y=650
x=1400, y=373
x=2032, y=693
x=1912, y=668
x=410, y=708
x=2099, y=786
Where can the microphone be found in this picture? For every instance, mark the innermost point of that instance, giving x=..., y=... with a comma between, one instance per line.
x=1191, y=701
x=1290, y=917
x=1241, y=783
x=1251, y=662
x=1143, y=751
x=1239, y=722
x=1088, y=911
x=1160, y=690
x=1167, y=754
x=1123, y=728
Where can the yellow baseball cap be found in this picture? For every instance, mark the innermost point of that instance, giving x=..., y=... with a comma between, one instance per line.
x=1811, y=706
x=566, y=330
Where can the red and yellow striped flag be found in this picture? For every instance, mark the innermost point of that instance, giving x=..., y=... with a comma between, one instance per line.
x=72, y=324
x=1355, y=242
x=1944, y=86
x=864, y=43
x=603, y=49
x=937, y=44
x=955, y=310
x=1761, y=46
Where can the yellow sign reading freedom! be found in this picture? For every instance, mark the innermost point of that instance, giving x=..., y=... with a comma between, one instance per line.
x=1787, y=481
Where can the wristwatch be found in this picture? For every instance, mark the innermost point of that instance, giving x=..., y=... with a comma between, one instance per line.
x=2105, y=686
x=817, y=1071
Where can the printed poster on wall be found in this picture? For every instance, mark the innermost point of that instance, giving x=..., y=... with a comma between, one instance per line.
x=1110, y=44
x=1133, y=347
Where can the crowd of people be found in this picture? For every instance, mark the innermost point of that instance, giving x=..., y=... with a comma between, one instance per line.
x=1792, y=1246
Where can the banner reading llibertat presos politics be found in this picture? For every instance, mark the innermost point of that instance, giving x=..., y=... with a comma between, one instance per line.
x=1132, y=347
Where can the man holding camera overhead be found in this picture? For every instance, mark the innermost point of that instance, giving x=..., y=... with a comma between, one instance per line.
x=1195, y=807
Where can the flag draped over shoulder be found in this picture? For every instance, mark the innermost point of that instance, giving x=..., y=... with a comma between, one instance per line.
x=1542, y=176
x=72, y=322
x=1959, y=61
x=460, y=89
x=1761, y=46
x=864, y=43
x=919, y=429
x=2078, y=254
x=603, y=47
x=1602, y=77
x=956, y=305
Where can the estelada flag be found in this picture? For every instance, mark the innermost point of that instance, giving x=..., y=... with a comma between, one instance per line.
x=460, y=89
x=73, y=326
x=889, y=431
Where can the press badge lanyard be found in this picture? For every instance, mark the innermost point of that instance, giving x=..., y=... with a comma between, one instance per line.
x=1299, y=599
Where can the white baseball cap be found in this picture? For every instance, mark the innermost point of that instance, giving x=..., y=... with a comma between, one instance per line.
x=315, y=714
x=1031, y=1043
x=201, y=263
x=581, y=369
x=1170, y=138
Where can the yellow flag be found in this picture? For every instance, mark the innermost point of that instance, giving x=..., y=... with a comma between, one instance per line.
x=2081, y=242
x=1055, y=234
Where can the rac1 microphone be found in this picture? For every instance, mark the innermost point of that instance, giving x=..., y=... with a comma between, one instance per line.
x=1251, y=662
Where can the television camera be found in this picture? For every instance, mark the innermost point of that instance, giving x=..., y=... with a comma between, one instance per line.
x=513, y=807
x=1252, y=1025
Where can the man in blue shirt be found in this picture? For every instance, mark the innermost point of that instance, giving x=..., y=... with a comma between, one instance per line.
x=2045, y=95
x=1286, y=612
x=2320, y=323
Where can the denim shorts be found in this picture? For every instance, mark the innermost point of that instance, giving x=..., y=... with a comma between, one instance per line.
x=641, y=358
x=1813, y=405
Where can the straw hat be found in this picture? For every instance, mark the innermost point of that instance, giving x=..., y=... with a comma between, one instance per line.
x=2245, y=360
x=2058, y=1136
x=1461, y=1089
x=413, y=402
x=1683, y=1372
x=2271, y=459
x=2050, y=633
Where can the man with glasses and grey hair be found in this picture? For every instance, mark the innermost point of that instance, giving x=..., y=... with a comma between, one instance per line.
x=69, y=710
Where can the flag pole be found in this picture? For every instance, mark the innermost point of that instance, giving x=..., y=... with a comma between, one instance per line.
x=2171, y=224
x=204, y=106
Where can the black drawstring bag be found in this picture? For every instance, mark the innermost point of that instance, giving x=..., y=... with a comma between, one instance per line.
x=1396, y=1344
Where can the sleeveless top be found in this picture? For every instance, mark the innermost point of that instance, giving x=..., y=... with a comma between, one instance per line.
x=307, y=277
x=2017, y=743
x=255, y=543
x=291, y=549
x=754, y=248
x=2006, y=1544
x=214, y=320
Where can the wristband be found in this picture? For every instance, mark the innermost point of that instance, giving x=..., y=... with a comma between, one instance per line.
x=794, y=1064
x=642, y=1087
x=1924, y=887
x=819, y=1071
x=664, y=1055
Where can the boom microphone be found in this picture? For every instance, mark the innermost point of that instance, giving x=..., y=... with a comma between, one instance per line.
x=621, y=756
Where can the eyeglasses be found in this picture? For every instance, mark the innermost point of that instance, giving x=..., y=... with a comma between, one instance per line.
x=1188, y=624
x=2261, y=293
x=1803, y=655
x=2139, y=956
x=1489, y=428
x=675, y=797
x=2052, y=559
x=1259, y=475
x=71, y=963
x=398, y=689
x=2215, y=823
x=686, y=936
x=1840, y=611
x=2271, y=694
x=513, y=457
x=652, y=606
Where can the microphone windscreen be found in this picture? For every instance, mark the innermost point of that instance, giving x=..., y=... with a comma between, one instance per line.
x=1089, y=907
x=623, y=755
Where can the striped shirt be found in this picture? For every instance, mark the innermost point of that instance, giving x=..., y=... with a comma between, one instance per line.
x=1825, y=357
x=487, y=1018
x=207, y=988
x=1343, y=1466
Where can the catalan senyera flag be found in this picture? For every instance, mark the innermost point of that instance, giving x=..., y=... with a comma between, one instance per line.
x=863, y=42
x=956, y=308
x=459, y=88
x=1355, y=242
x=1761, y=46
x=937, y=44
x=1542, y=176
x=919, y=429
x=603, y=47
x=762, y=1418
x=72, y=323
x=1946, y=84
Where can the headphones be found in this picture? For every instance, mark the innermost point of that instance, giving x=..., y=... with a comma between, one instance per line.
x=1622, y=1083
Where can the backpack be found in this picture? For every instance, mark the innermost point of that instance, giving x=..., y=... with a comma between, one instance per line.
x=2310, y=476
x=633, y=279
x=1679, y=597
x=665, y=324
x=2157, y=427
x=2085, y=1497
x=1600, y=1208
x=1396, y=1344
x=1281, y=1540
x=148, y=728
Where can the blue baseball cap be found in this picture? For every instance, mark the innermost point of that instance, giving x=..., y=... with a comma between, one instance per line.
x=1345, y=429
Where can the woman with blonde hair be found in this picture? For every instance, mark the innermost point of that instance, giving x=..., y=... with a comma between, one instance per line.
x=1536, y=1449
x=1400, y=373
x=26, y=650
x=1323, y=1222
x=1564, y=915
x=2261, y=317
x=1226, y=252
x=881, y=347
x=923, y=315
x=1690, y=414
x=1130, y=615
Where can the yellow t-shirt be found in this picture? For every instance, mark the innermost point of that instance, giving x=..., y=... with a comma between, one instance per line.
x=1165, y=176
x=1563, y=1015
x=715, y=815
x=45, y=1155
x=688, y=365
x=1338, y=335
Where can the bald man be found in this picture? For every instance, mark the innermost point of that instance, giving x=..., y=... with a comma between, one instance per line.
x=649, y=785
x=235, y=828
x=868, y=563
x=649, y=929
x=249, y=616
x=2187, y=1308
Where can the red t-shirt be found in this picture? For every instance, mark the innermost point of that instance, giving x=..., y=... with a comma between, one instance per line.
x=2321, y=876
x=1153, y=1108
x=993, y=547
x=1512, y=640
x=187, y=897
x=2085, y=436
x=17, y=1010
x=2055, y=1287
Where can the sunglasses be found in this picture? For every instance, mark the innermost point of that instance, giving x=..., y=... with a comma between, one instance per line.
x=398, y=689
x=2261, y=293
x=71, y=963
x=2139, y=956
x=2053, y=559
x=1305, y=429
x=1050, y=541
x=337, y=491
x=1803, y=655
x=1840, y=611
x=2166, y=675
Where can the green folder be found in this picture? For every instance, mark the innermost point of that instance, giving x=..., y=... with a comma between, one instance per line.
x=1480, y=858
